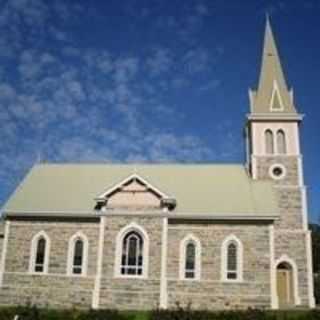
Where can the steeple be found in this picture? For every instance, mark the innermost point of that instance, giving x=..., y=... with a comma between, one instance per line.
x=273, y=96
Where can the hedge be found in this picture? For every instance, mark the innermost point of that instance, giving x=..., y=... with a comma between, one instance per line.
x=33, y=313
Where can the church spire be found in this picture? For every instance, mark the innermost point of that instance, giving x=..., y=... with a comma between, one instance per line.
x=273, y=95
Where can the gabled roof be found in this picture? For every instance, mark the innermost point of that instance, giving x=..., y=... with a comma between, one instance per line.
x=216, y=190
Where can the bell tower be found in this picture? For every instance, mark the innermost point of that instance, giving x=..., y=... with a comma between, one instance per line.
x=273, y=153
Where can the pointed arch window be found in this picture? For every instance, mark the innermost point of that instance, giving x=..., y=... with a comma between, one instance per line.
x=269, y=143
x=232, y=259
x=190, y=262
x=281, y=142
x=132, y=254
x=78, y=254
x=39, y=258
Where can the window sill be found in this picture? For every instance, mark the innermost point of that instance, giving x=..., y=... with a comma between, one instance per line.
x=232, y=281
x=130, y=277
x=190, y=280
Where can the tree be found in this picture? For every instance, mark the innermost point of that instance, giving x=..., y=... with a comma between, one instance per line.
x=315, y=234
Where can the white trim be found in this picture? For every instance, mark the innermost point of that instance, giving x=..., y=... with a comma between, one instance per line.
x=4, y=251
x=282, y=167
x=33, y=253
x=285, y=258
x=300, y=172
x=273, y=277
x=183, y=246
x=164, y=255
x=311, y=297
x=304, y=209
x=126, y=180
x=118, y=252
x=275, y=91
x=97, y=282
x=224, y=259
x=84, y=268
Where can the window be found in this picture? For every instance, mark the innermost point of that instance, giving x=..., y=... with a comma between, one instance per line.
x=39, y=258
x=132, y=254
x=269, y=144
x=190, y=266
x=190, y=258
x=78, y=257
x=78, y=254
x=281, y=142
x=277, y=171
x=231, y=259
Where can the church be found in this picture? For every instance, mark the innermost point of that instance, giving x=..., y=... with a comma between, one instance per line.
x=138, y=237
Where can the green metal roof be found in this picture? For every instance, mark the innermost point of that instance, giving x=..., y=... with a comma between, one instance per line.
x=199, y=189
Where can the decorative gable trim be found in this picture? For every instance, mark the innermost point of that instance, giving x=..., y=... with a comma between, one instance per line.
x=124, y=182
x=123, y=186
x=276, y=95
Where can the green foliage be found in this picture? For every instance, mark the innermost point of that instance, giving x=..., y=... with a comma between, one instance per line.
x=33, y=313
x=315, y=234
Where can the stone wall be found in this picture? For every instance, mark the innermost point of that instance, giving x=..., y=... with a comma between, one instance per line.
x=288, y=191
x=210, y=292
x=293, y=245
x=131, y=293
x=54, y=289
x=290, y=236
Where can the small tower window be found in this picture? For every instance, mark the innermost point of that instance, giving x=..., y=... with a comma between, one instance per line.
x=281, y=142
x=269, y=144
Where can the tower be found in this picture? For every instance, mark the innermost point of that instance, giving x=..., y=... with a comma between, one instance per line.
x=273, y=153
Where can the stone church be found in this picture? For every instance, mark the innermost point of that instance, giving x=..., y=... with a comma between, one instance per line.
x=144, y=236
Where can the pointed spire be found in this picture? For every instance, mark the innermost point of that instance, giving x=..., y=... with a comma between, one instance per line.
x=272, y=94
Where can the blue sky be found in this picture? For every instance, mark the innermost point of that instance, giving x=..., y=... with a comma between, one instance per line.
x=146, y=80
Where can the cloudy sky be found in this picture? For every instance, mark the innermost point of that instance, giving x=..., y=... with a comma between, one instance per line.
x=145, y=80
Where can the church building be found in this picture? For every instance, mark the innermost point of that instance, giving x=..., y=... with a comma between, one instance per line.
x=136, y=237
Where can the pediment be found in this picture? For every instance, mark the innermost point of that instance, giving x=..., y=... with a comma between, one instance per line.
x=134, y=193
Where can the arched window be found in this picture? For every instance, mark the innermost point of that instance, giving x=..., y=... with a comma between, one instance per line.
x=190, y=260
x=78, y=255
x=40, y=255
x=232, y=259
x=269, y=144
x=39, y=258
x=190, y=264
x=232, y=263
x=132, y=254
x=281, y=142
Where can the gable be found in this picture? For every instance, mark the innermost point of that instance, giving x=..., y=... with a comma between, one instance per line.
x=133, y=193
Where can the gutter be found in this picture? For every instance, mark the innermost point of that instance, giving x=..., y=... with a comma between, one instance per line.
x=169, y=215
